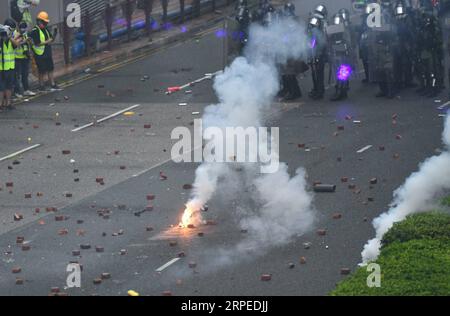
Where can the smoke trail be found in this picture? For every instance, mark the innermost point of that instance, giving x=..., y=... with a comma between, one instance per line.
x=416, y=194
x=281, y=207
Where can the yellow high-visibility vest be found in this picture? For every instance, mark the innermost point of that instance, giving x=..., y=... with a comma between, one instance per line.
x=40, y=49
x=7, y=56
x=21, y=50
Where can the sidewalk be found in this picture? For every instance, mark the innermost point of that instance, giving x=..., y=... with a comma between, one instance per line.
x=124, y=50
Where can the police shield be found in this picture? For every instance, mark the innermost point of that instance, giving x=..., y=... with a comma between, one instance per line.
x=381, y=57
x=342, y=53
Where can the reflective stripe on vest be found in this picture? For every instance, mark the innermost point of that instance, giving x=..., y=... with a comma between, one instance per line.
x=7, y=57
x=21, y=50
x=39, y=49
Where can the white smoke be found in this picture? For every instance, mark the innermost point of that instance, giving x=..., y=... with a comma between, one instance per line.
x=280, y=206
x=415, y=195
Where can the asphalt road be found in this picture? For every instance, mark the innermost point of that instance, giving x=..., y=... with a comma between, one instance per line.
x=129, y=157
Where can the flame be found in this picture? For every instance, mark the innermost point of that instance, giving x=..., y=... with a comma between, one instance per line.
x=192, y=215
x=187, y=217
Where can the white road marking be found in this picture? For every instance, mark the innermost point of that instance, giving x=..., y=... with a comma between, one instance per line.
x=106, y=118
x=19, y=152
x=364, y=149
x=168, y=264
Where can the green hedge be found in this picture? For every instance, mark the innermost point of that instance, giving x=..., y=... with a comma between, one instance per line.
x=446, y=201
x=414, y=261
x=419, y=226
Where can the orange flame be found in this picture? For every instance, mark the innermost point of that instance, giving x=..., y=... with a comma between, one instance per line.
x=191, y=217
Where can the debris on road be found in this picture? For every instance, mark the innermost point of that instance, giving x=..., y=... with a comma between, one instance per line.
x=345, y=271
x=266, y=277
x=324, y=188
x=26, y=247
x=133, y=293
x=192, y=265
x=337, y=216
x=16, y=270
x=97, y=281
x=362, y=150
x=322, y=232
x=162, y=176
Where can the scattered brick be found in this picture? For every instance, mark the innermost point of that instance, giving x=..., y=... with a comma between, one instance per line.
x=266, y=277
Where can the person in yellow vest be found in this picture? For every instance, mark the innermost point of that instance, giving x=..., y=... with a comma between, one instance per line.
x=7, y=63
x=42, y=40
x=22, y=86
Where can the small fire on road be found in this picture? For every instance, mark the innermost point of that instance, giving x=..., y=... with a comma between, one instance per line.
x=192, y=217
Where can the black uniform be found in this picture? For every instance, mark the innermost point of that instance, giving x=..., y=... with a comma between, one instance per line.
x=341, y=56
x=363, y=45
x=444, y=17
x=383, y=43
x=317, y=56
x=244, y=19
x=429, y=56
x=289, y=83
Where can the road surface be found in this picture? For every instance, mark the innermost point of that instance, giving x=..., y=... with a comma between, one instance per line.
x=98, y=179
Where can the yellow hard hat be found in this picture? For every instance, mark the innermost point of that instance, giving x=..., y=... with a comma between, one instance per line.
x=43, y=16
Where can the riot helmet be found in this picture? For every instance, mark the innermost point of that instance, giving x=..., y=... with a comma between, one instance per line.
x=315, y=22
x=321, y=12
x=242, y=3
x=345, y=14
x=400, y=9
x=337, y=19
x=289, y=9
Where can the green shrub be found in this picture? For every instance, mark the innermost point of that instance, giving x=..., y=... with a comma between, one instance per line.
x=416, y=267
x=446, y=201
x=419, y=226
x=414, y=260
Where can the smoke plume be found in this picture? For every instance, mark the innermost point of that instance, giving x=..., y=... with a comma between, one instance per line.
x=415, y=195
x=280, y=206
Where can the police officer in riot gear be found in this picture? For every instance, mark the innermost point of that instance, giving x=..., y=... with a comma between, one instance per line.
x=289, y=10
x=244, y=19
x=290, y=87
x=321, y=12
x=345, y=14
x=317, y=55
x=382, y=47
x=263, y=7
x=429, y=56
x=403, y=63
x=444, y=17
x=341, y=56
x=363, y=42
x=269, y=16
